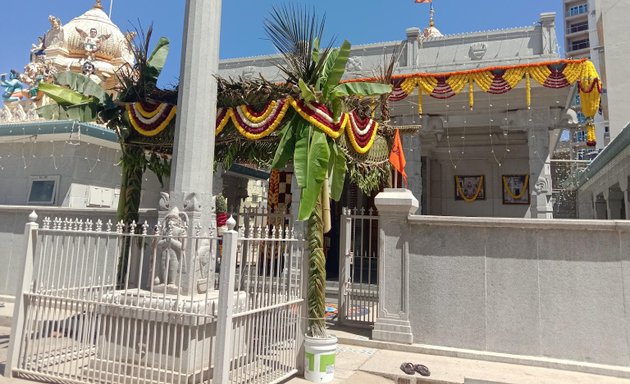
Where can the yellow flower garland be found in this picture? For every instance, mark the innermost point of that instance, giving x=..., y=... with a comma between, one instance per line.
x=334, y=134
x=153, y=132
x=224, y=121
x=509, y=191
x=460, y=191
x=255, y=136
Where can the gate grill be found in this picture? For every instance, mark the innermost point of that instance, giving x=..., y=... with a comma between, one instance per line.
x=358, y=267
x=108, y=303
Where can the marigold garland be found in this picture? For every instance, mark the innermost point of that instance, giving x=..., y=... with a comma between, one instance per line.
x=361, y=132
x=254, y=126
x=223, y=116
x=150, y=119
x=321, y=117
x=461, y=193
x=509, y=190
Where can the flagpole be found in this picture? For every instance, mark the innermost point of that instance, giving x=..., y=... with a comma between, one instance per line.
x=111, y=6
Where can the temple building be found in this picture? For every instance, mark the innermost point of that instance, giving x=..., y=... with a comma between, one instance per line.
x=497, y=151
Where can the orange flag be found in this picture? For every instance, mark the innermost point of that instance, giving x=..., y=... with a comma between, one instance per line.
x=397, y=157
x=423, y=1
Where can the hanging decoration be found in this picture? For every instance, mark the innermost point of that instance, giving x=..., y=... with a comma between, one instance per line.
x=361, y=132
x=515, y=189
x=469, y=188
x=150, y=119
x=256, y=125
x=321, y=117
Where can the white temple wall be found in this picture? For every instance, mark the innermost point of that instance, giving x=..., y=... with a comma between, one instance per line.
x=442, y=184
x=542, y=288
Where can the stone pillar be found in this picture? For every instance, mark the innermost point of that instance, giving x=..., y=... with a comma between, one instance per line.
x=413, y=155
x=191, y=177
x=394, y=207
x=548, y=25
x=541, y=206
x=413, y=39
x=193, y=152
x=623, y=184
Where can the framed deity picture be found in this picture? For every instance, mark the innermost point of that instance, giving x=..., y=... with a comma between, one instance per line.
x=515, y=189
x=470, y=188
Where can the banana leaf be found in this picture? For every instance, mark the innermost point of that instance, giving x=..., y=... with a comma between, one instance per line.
x=82, y=84
x=360, y=89
x=317, y=167
x=333, y=77
x=62, y=95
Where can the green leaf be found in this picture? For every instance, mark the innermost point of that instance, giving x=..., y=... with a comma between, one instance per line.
x=82, y=84
x=337, y=108
x=339, y=170
x=360, y=89
x=315, y=54
x=158, y=57
x=52, y=112
x=338, y=69
x=62, y=95
x=286, y=147
x=327, y=68
x=318, y=156
x=306, y=92
x=300, y=155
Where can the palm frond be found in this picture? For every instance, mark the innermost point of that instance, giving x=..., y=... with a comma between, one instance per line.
x=294, y=31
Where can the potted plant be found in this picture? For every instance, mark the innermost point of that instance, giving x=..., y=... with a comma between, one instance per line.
x=319, y=164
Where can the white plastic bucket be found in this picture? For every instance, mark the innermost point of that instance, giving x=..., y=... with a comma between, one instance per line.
x=319, y=359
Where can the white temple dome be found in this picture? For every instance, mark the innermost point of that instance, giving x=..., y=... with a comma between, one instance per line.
x=112, y=48
x=431, y=31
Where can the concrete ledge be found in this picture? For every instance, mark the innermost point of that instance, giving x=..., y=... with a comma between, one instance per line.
x=533, y=361
x=499, y=222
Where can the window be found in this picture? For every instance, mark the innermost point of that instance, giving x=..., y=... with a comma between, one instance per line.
x=580, y=44
x=43, y=190
x=578, y=10
x=578, y=27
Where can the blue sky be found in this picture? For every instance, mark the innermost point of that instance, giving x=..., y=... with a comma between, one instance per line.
x=242, y=32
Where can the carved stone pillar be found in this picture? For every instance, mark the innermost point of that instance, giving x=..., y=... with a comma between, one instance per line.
x=541, y=205
x=394, y=206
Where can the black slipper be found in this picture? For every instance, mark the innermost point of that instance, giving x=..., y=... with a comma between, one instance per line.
x=422, y=370
x=408, y=368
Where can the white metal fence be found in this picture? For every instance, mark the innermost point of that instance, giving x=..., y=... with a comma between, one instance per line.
x=106, y=303
x=358, y=267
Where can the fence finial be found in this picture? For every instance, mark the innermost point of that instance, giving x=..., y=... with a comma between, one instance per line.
x=32, y=217
x=231, y=223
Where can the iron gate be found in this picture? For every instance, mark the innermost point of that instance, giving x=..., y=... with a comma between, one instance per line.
x=358, y=267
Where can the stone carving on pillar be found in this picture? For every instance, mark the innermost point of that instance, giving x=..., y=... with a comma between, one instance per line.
x=192, y=204
x=171, y=266
x=543, y=196
x=165, y=201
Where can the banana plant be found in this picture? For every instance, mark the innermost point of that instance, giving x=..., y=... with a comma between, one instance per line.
x=319, y=164
x=78, y=97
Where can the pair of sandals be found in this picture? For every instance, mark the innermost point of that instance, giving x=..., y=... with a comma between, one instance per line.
x=411, y=369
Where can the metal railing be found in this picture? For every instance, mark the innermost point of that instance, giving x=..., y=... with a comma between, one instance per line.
x=358, y=267
x=105, y=303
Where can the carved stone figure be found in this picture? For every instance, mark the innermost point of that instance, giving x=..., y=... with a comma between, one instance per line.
x=170, y=263
x=55, y=36
x=13, y=86
x=92, y=43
